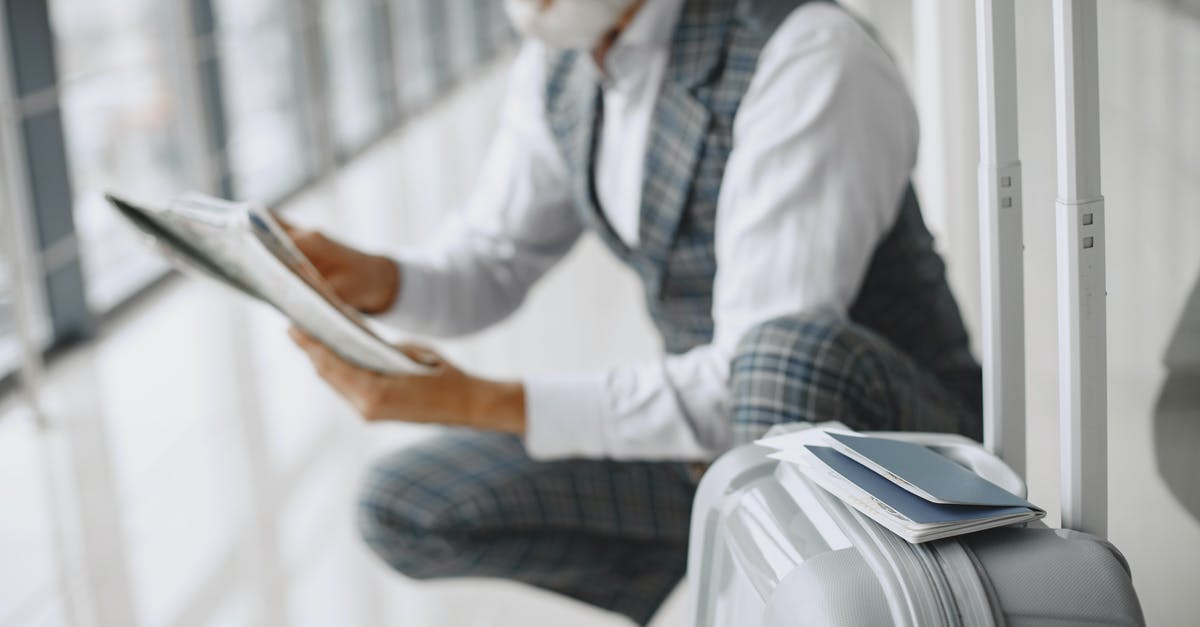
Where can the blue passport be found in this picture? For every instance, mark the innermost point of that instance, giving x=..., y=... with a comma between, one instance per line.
x=909, y=505
x=926, y=473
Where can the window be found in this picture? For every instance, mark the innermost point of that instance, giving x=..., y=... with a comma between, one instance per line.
x=121, y=124
x=356, y=54
x=270, y=145
x=151, y=97
x=9, y=353
x=421, y=69
x=493, y=28
x=462, y=44
x=249, y=98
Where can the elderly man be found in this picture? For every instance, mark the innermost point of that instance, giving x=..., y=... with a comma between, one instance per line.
x=750, y=160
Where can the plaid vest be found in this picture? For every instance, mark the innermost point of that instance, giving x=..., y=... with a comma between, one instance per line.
x=713, y=55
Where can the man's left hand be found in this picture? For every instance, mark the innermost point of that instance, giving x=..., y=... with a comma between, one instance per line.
x=445, y=395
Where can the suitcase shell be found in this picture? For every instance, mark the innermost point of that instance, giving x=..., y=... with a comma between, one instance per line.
x=771, y=548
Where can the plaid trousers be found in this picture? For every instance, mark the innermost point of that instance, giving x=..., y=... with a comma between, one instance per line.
x=614, y=534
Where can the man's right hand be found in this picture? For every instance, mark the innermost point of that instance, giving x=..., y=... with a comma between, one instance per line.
x=369, y=283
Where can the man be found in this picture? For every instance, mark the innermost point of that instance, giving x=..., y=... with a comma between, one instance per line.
x=749, y=159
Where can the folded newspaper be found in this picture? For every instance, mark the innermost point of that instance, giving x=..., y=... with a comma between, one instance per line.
x=916, y=493
x=243, y=246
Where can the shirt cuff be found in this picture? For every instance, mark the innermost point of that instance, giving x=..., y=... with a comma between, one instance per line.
x=564, y=416
x=413, y=309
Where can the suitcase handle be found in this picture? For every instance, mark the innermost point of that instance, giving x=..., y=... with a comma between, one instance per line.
x=1079, y=208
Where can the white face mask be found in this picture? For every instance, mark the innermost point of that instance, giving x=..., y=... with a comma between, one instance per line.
x=577, y=24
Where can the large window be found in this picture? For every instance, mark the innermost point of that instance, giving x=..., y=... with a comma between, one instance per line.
x=121, y=122
x=493, y=30
x=421, y=67
x=250, y=98
x=8, y=332
x=360, y=82
x=253, y=98
x=270, y=144
x=475, y=30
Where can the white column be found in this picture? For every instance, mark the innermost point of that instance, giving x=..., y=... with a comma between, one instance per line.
x=1083, y=385
x=1002, y=246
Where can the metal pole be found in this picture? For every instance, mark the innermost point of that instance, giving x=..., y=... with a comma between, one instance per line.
x=183, y=20
x=317, y=108
x=1000, y=234
x=1081, y=291
x=17, y=236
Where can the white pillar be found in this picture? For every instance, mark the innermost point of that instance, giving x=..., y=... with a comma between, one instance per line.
x=1083, y=380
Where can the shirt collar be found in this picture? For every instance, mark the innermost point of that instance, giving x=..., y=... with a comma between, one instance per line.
x=649, y=33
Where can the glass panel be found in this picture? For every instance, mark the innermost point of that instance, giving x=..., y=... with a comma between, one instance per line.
x=420, y=73
x=478, y=30
x=463, y=47
x=494, y=26
x=122, y=130
x=356, y=55
x=9, y=348
x=270, y=149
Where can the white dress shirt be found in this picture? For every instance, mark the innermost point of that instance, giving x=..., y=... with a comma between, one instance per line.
x=823, y=145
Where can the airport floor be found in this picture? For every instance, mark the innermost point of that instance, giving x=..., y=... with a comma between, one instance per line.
x=213, y=477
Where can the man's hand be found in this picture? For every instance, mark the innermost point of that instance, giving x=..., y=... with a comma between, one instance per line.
x=369, y=283
x=445, y=396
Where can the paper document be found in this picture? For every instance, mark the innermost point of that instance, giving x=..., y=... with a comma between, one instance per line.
x=245, y=248
x=907, y=488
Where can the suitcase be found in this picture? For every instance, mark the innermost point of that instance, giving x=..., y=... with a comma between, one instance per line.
x=769, y=547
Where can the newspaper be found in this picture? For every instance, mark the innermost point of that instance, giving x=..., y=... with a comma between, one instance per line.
x=243, y=246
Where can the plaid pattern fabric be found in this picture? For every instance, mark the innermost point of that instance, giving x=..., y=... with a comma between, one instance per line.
x=821, y=366
x=712, y=58
x=612, y=534
x=904, y=296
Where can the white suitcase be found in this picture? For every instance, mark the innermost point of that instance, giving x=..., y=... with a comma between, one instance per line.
x=770, y=548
